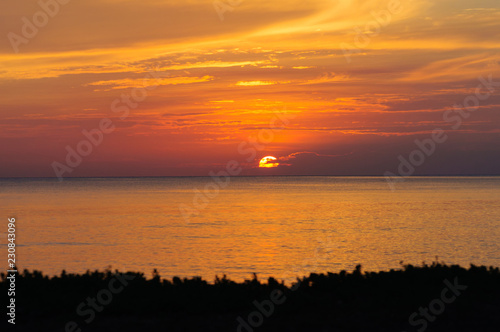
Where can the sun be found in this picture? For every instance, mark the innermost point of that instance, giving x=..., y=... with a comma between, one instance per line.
x=268, y=162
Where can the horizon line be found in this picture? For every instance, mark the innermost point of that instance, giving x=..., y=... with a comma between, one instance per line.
x=241, y=176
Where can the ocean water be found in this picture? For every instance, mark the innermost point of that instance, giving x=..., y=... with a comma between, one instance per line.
x=273, y=226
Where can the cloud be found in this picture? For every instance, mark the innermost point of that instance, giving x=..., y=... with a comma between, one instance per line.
x=456, y=69
x=128, y=83
x=255, y=83
x=327, y=78
x=305, y=156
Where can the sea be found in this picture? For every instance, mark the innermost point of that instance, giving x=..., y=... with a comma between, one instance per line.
x=277, y=226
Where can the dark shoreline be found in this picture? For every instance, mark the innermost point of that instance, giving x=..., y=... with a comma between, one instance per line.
x=435, y=297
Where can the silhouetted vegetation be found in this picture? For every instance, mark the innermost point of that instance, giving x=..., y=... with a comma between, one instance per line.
x=345, y=301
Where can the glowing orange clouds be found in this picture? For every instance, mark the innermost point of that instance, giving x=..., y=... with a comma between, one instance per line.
x=267, y=162
x=254, y=83
x=219, y=86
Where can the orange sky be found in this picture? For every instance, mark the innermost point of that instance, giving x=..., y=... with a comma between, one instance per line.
x=214, y=84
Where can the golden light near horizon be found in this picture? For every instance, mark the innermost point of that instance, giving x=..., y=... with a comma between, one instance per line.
x=267, y=162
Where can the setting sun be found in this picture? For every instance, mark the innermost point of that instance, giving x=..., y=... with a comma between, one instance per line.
x=267, y=162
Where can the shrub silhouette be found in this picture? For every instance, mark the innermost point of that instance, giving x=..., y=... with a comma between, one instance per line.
x=355, y=301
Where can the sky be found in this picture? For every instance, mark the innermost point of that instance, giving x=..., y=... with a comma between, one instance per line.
x=181, y=88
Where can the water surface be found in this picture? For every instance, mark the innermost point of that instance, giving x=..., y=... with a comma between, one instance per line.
x=273, y=226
